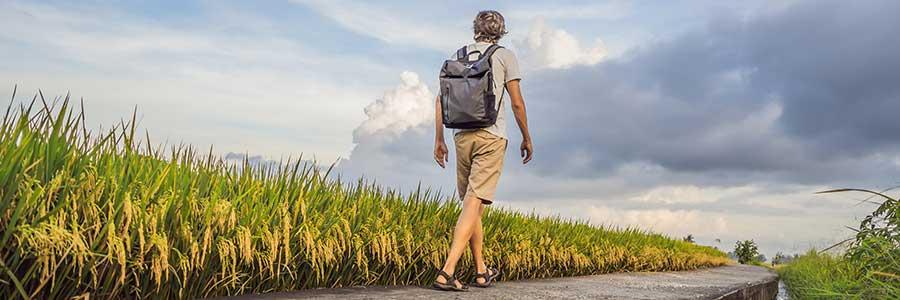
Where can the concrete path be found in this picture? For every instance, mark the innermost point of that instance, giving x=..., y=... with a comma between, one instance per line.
x=714, y=283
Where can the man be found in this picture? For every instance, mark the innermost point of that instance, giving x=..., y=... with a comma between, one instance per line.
x=479, y=153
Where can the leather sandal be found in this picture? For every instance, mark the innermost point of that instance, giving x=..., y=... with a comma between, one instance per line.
x=489, y=276
x=451, y=283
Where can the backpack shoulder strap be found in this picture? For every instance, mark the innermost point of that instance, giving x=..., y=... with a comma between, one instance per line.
x=490, y=52
x=491, y=49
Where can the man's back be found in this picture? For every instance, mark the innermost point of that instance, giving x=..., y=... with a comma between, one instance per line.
x=505, y=68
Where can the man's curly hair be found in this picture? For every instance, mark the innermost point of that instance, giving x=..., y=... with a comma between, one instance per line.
x=489, y=26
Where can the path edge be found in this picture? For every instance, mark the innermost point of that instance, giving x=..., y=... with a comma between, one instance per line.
x=766, y=289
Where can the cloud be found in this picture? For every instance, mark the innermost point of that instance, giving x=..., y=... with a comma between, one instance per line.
x=671, y=222
x=394, y=143
x=256, y=161
x=611, y=10
x=407, y=106
x=205, y=82
x=388, y=25
x=547, y=47
x=791, y=232
x=736, y=96
x=688, y=194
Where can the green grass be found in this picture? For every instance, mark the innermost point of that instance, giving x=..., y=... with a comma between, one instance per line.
x=824, y=276
x=107, y=216
x=868, y=269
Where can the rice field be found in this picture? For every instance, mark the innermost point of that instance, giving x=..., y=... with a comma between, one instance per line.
x=109, y=215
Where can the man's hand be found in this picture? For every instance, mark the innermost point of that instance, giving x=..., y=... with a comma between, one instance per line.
x=440, y=154
x=527, y=151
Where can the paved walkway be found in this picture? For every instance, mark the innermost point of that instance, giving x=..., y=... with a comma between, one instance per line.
x=699, y=284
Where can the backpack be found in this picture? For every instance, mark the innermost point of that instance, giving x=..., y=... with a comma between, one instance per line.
x=467, y=90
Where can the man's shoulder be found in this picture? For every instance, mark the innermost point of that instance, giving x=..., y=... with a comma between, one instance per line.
x=505, y=51
x=504, y=54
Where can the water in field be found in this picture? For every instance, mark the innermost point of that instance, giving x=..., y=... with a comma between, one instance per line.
x=782, y=291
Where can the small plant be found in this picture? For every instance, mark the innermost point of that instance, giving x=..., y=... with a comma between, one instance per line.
x=877, y=240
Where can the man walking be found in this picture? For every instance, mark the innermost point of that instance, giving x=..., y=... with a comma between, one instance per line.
x=479, y=136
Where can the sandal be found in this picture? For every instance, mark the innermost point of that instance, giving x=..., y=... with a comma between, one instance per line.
x=489, y=276
x=451, y=283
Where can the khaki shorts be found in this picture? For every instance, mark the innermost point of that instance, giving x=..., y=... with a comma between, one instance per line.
x=479, y=161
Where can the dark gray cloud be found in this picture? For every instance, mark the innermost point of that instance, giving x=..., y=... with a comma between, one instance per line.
x=797, y=91
x=836, y=66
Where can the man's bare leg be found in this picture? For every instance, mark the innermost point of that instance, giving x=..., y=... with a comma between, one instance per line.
x=465, y=225
x=476, y=244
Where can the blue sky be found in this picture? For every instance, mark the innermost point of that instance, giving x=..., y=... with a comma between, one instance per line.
x=712, y=118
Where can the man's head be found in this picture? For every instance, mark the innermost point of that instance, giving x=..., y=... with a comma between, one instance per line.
x=489, y=26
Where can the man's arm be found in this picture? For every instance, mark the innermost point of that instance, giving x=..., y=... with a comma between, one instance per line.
x=518, y=108
x=440, y=148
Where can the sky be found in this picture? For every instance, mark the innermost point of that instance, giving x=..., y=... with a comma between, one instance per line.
x=718, y=119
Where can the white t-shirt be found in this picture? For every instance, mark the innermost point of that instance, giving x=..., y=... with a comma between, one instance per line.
x=505, y=68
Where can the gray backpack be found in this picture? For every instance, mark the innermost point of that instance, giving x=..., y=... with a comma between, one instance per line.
x=467, y=90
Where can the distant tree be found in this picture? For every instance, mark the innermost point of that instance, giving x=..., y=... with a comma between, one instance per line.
x=689, y=238
x=779, y=258
x=731, y=255
x=746, y=251
x=760, y=258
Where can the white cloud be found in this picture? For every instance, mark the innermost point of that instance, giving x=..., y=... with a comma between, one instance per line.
x=547, y=47
x=393, y=144
x=773, y=231
x=388, y=25
x=408, y=105
x=671, y=222
x=689, y=194
x=612, y=10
